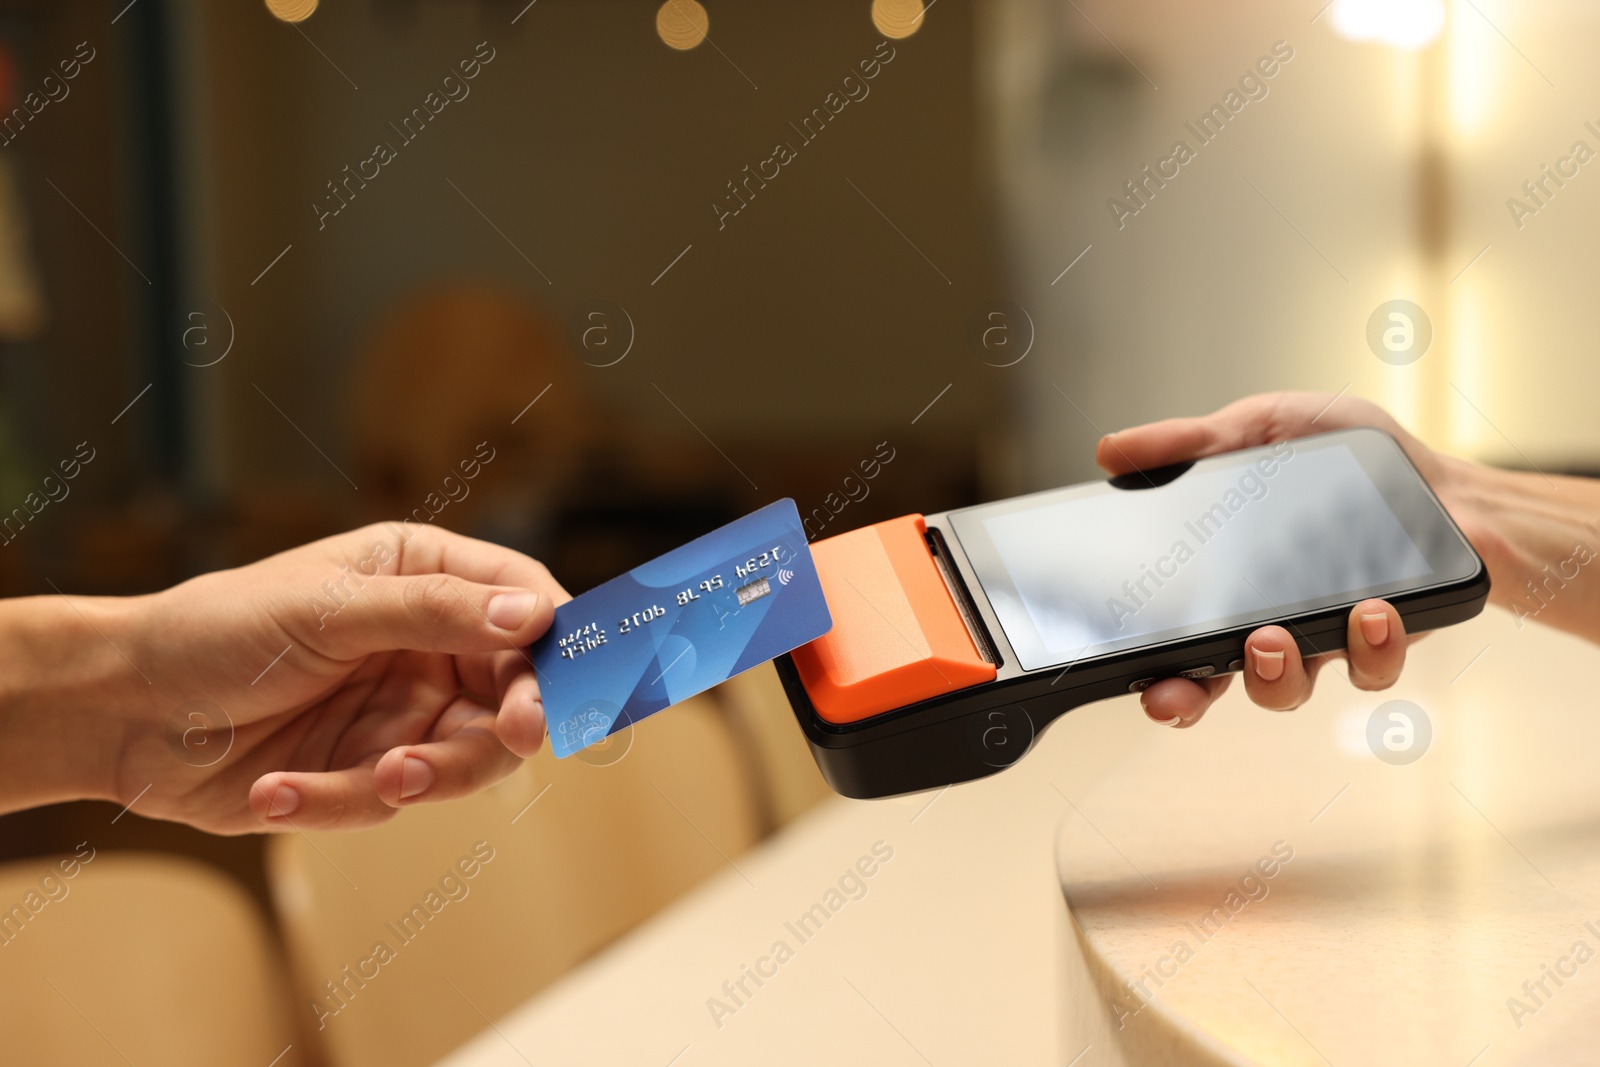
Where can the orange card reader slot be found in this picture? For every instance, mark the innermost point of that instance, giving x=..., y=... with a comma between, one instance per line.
x=897, y=637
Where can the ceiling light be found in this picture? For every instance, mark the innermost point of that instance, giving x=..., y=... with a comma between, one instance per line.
x=682, y=24
x=897, y=18
x=291, y=10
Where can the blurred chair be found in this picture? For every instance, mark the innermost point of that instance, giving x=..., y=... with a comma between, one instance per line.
x=138, y=958
x=589, y=490
x=452, y=366
x=783, y=774
x=583, y=849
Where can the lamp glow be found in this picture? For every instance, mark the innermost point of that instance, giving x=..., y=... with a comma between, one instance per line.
x=1406, y=24
x=291, y=10
x=682, y=24
x=897, y=18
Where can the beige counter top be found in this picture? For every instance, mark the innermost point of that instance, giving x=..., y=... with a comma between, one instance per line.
x=1416, y=900
x=1419, y=897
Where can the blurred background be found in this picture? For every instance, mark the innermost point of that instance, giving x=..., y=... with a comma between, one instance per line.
x=278, y=267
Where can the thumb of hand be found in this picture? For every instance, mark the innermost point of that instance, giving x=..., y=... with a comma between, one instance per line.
x=432, y=613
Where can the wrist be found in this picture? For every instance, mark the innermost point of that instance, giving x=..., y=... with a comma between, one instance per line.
x=64, y=692
x=1539, y=535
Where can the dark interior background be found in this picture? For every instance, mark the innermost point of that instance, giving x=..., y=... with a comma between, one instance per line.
x=251, y=378
x=168, y=199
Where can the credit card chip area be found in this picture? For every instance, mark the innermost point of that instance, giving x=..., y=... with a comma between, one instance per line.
x=750, y=592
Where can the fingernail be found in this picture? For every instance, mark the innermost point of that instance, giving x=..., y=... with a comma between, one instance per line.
x=415, y=777
x=510, y=610
x=1153, y=717
x=286, y=801
x=1375, y=627
x=1269, y=665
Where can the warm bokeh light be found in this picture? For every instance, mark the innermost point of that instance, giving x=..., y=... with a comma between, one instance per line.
x=1475, y=75
x=897, y=18
x=292, y=10
x=682, y=24
x=1469, y=368
x=1401, y=23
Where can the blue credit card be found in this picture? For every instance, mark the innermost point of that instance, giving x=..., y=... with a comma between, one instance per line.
x=678, y=625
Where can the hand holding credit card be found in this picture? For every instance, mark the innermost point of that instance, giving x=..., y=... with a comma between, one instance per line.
x=676, y=626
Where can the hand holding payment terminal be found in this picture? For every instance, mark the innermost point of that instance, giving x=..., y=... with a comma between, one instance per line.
x=958, y=637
